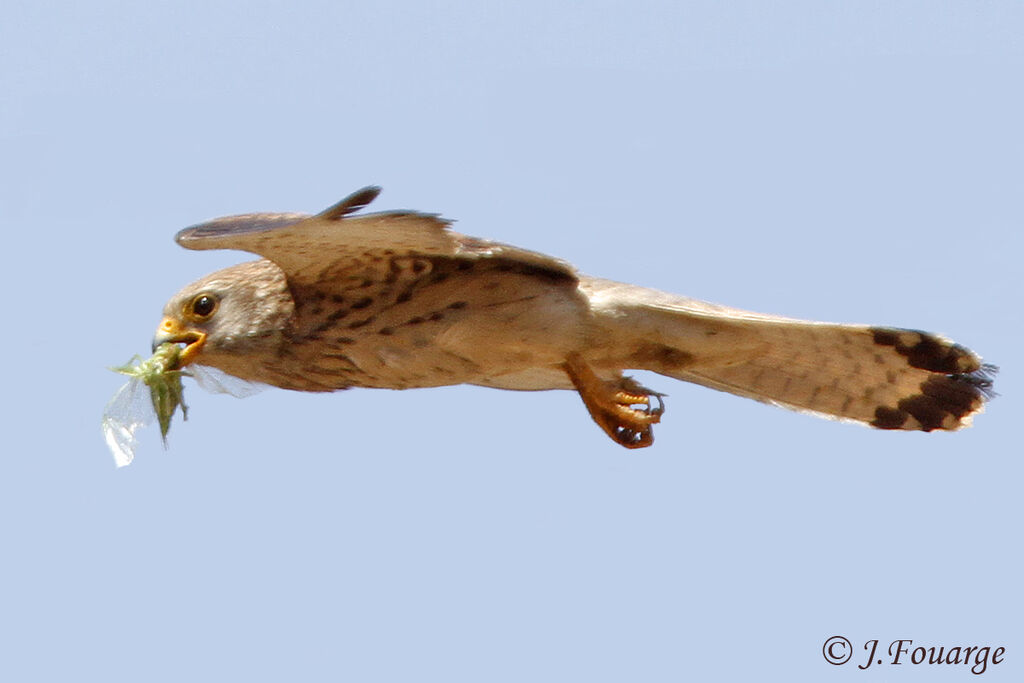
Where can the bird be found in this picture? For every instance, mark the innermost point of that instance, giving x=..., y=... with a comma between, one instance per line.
x=398, y=300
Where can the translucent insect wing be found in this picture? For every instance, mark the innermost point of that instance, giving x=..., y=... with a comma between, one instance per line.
x=215, y=381
x=130, y=409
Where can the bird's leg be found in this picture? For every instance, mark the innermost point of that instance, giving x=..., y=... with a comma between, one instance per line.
x=611, y=404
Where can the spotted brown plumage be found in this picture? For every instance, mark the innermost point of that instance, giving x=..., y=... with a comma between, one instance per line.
x=956, y=388
x=398, y=300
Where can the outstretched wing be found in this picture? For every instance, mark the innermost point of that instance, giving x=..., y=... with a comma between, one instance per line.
x=886, y=377
x=307, y=248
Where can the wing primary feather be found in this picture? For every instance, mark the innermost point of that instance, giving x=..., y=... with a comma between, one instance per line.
x=350, y=204
x=220, y=233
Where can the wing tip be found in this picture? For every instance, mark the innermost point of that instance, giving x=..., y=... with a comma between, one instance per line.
x=186, y=237
x=927, y=351
x=211, y=234
x=944, y=403
x=359, y=199
x=956, y=388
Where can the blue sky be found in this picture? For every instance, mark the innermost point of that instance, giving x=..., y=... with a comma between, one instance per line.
x=856, y=162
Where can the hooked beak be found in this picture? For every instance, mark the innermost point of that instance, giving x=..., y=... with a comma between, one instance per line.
x=172, y=331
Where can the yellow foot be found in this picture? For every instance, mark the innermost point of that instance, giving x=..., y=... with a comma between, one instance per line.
x=614, y=405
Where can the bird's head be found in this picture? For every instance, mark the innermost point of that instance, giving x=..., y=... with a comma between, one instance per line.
x=229, y=317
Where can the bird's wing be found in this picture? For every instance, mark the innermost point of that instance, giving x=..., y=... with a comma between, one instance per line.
x=309, y=248
x=886, y=377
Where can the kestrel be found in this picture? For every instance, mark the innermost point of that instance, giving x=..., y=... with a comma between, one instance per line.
x=397, y=300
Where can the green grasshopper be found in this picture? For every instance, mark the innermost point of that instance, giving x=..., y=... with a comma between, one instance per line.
x=125, y=413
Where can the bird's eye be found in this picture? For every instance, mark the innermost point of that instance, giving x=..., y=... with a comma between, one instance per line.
x=203, y=306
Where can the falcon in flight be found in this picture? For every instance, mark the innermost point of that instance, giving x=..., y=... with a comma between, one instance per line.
x=397, y=300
